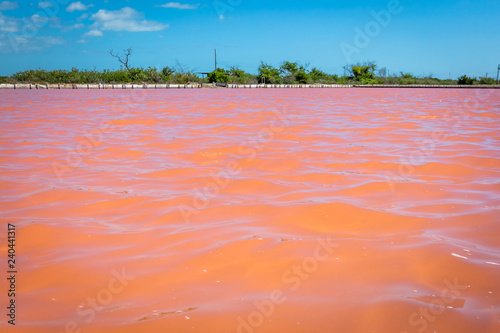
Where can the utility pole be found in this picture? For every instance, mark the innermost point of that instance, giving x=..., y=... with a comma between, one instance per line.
x=215, y=59
x=498, y=72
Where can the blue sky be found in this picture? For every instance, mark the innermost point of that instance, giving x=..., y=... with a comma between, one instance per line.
x=443, y=38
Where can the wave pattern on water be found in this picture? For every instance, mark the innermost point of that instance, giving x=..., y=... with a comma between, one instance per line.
x=315, y=210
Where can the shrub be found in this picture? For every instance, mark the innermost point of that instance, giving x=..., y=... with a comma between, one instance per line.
x=318, y=76
x=138, y=75
x=464, y=79
x=302, y=77
x=292, y=72
x=167, y=74
x=153, y=75
x=268, y=74
x=289, y=68
x=344, y=80
x=185, y=77
x=237, y=75
x=362, y=73
x=120, y=76
x=219, y=75
x=487, y=80
x=406, y=76
x=167, y=71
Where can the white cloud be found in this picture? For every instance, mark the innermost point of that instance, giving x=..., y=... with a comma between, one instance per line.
x=83, y=17
x=8, y=24
x=82, y=41
x=39, y=19
x=45, y=4
x=48, y=41
x=77, y=26
x=125, y=19
x=70, y=27
x=178, y=5
x=8, y=5
x=93, y=33
x=77, y=6
x=27, y=43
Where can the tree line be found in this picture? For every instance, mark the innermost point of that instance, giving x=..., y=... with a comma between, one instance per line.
x=287, y=73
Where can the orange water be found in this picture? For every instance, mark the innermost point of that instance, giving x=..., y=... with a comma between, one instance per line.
x=350, y=210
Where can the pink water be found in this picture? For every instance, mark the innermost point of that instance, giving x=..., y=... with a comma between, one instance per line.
x=308, y=210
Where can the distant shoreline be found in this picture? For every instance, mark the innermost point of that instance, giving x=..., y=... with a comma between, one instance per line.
x=25, y=86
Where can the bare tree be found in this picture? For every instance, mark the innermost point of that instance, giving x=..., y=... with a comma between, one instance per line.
x=180, y=68
x=126, y=54
x=382, y=72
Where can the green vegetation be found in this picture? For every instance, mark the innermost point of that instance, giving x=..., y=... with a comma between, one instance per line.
x=487, y=80
x=363, y=73
x=237, y=75
x=292, y=72
x=318, y=76
x=6, y=79
x=268, y=74
x=464, y=79
x=133, y=75
x=287, y=73
x=219, y=75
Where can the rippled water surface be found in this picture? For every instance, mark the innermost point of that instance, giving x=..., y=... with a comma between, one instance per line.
x=333, y=210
